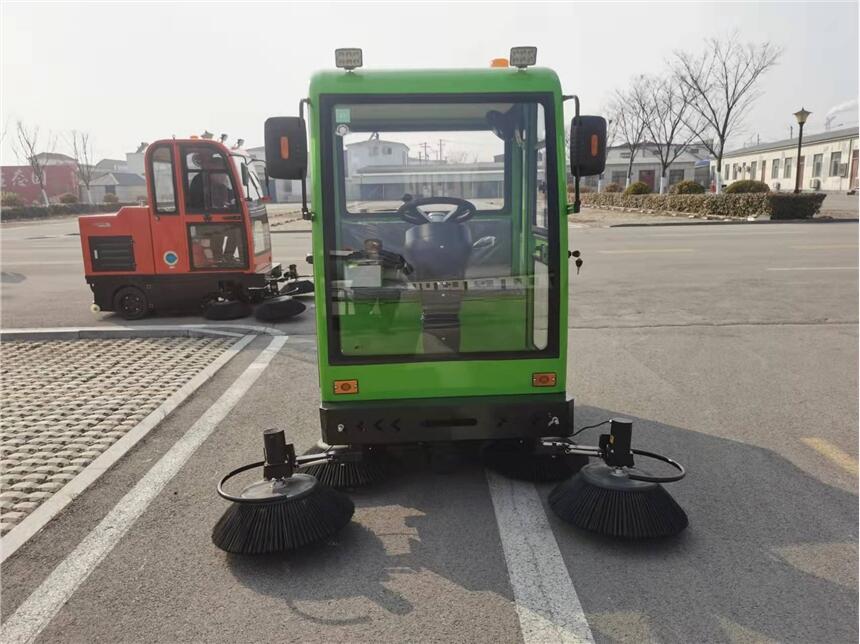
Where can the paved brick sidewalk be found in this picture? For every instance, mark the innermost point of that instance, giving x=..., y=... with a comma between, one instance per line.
x=65, y=402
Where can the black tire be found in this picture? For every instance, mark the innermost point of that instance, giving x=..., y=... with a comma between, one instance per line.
x=131, y=303
x=278, y=308
x=227, y=310
x=299, y=287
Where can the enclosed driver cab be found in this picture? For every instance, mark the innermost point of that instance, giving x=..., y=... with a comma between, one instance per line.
x=439, y=211
x=204, y=233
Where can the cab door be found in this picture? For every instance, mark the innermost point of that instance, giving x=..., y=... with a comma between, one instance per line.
x=216, y=237
x=536, y=227
x=167, y=227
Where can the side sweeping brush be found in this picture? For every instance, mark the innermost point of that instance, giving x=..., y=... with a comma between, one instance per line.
x=525, y=462
x=345, y=469
x=282, y=512
x=615, y=499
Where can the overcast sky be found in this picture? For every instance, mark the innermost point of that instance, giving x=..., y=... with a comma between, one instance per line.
x=128, y=73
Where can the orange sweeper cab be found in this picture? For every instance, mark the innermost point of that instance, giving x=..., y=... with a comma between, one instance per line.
x=202, y=244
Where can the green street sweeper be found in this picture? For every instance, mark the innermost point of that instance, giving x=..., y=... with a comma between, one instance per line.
x=440, y=251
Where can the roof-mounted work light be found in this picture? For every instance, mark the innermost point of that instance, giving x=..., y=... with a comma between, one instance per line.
x=522, y=57
x=347, y=59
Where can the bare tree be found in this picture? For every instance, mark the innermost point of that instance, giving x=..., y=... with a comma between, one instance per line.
x=27, y=150
x=665, y=104
x=722, y=84
x=82, y=151
x=629, y=122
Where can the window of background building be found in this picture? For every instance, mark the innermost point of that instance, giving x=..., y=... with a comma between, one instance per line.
x=619, y=177
x=675, y=176
x=835, y=160
x=726, y=173
x=752, y=169
x=817, y=161
x=734, y=171
x=774, y=169
x=788, y=166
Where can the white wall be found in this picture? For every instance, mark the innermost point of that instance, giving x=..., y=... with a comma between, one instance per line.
x=828, y=183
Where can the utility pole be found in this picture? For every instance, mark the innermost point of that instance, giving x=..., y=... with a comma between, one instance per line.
x=425, y=145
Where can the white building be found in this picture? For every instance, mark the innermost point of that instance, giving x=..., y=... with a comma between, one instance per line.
x=691, y=165
x=375, y=152
x=828, y=162
x=129, y=187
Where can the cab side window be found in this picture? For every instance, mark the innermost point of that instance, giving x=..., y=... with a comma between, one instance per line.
x=163, y=186
x=207, y=181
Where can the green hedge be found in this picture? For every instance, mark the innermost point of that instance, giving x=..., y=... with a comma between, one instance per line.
x=686, y=188
x=786, y=205
x=745, y=186
x=57, y=210
x=637, y=188
x=776, y=205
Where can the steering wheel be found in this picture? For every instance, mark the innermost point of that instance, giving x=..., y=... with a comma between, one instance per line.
x=410, y=213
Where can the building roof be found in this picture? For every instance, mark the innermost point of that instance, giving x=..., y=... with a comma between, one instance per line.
x=820, y=137
x=56, y=156
x=647, y=154
x=107, y=164
x=126, y=179
x=379, y=141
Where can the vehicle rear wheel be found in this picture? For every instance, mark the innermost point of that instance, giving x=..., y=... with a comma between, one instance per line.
x=226, y=310
x=278, y=308
x=131, y=303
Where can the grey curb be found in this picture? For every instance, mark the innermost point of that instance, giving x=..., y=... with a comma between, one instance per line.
x=154, y=331
x=774, y=222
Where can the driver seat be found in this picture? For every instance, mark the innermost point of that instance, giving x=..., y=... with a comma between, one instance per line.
x=438, y=250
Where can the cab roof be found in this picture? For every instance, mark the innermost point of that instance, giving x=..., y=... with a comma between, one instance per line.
x=435, y=81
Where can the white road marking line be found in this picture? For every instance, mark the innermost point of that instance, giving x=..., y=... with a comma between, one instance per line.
x=739, y=233
x=31, y=617
x=646, y=250
x=546, y=602
x=12, y=262
x=815, y=268
x=823, y=246
x=37, y=520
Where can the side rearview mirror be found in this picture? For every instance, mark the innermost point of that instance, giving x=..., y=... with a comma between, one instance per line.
x=587, y=145
x=286, y=147
x=246, y=178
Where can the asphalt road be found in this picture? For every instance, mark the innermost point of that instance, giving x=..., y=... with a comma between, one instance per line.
x=735, y=349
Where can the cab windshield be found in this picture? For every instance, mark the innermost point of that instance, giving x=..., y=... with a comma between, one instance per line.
x=440, y=222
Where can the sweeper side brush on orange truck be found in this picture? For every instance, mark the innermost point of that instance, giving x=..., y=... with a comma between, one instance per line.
x=202, y=243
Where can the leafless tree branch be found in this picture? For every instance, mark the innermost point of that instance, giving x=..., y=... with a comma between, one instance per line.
x=27, y=149
x=82, y=151
x=722, y=85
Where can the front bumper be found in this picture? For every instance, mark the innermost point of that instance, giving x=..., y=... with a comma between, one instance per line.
x=445, y=419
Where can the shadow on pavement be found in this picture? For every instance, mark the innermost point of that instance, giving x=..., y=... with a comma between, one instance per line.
x=770, y=552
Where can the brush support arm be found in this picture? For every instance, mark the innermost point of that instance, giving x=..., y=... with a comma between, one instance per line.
x=565, y=446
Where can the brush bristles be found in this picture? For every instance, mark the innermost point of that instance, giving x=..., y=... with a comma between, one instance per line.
x=348, y=475
x=540, y=468
x=631, y=514
x=284, y=524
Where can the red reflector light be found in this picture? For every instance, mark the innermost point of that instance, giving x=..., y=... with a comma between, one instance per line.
x=285, y=147
x=345, y=387
x=594, y=145
x=546, y=379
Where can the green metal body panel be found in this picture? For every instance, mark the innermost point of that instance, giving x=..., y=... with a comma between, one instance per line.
x=483, y=323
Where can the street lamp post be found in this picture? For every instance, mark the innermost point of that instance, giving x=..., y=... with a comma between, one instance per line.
x=801, y=117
